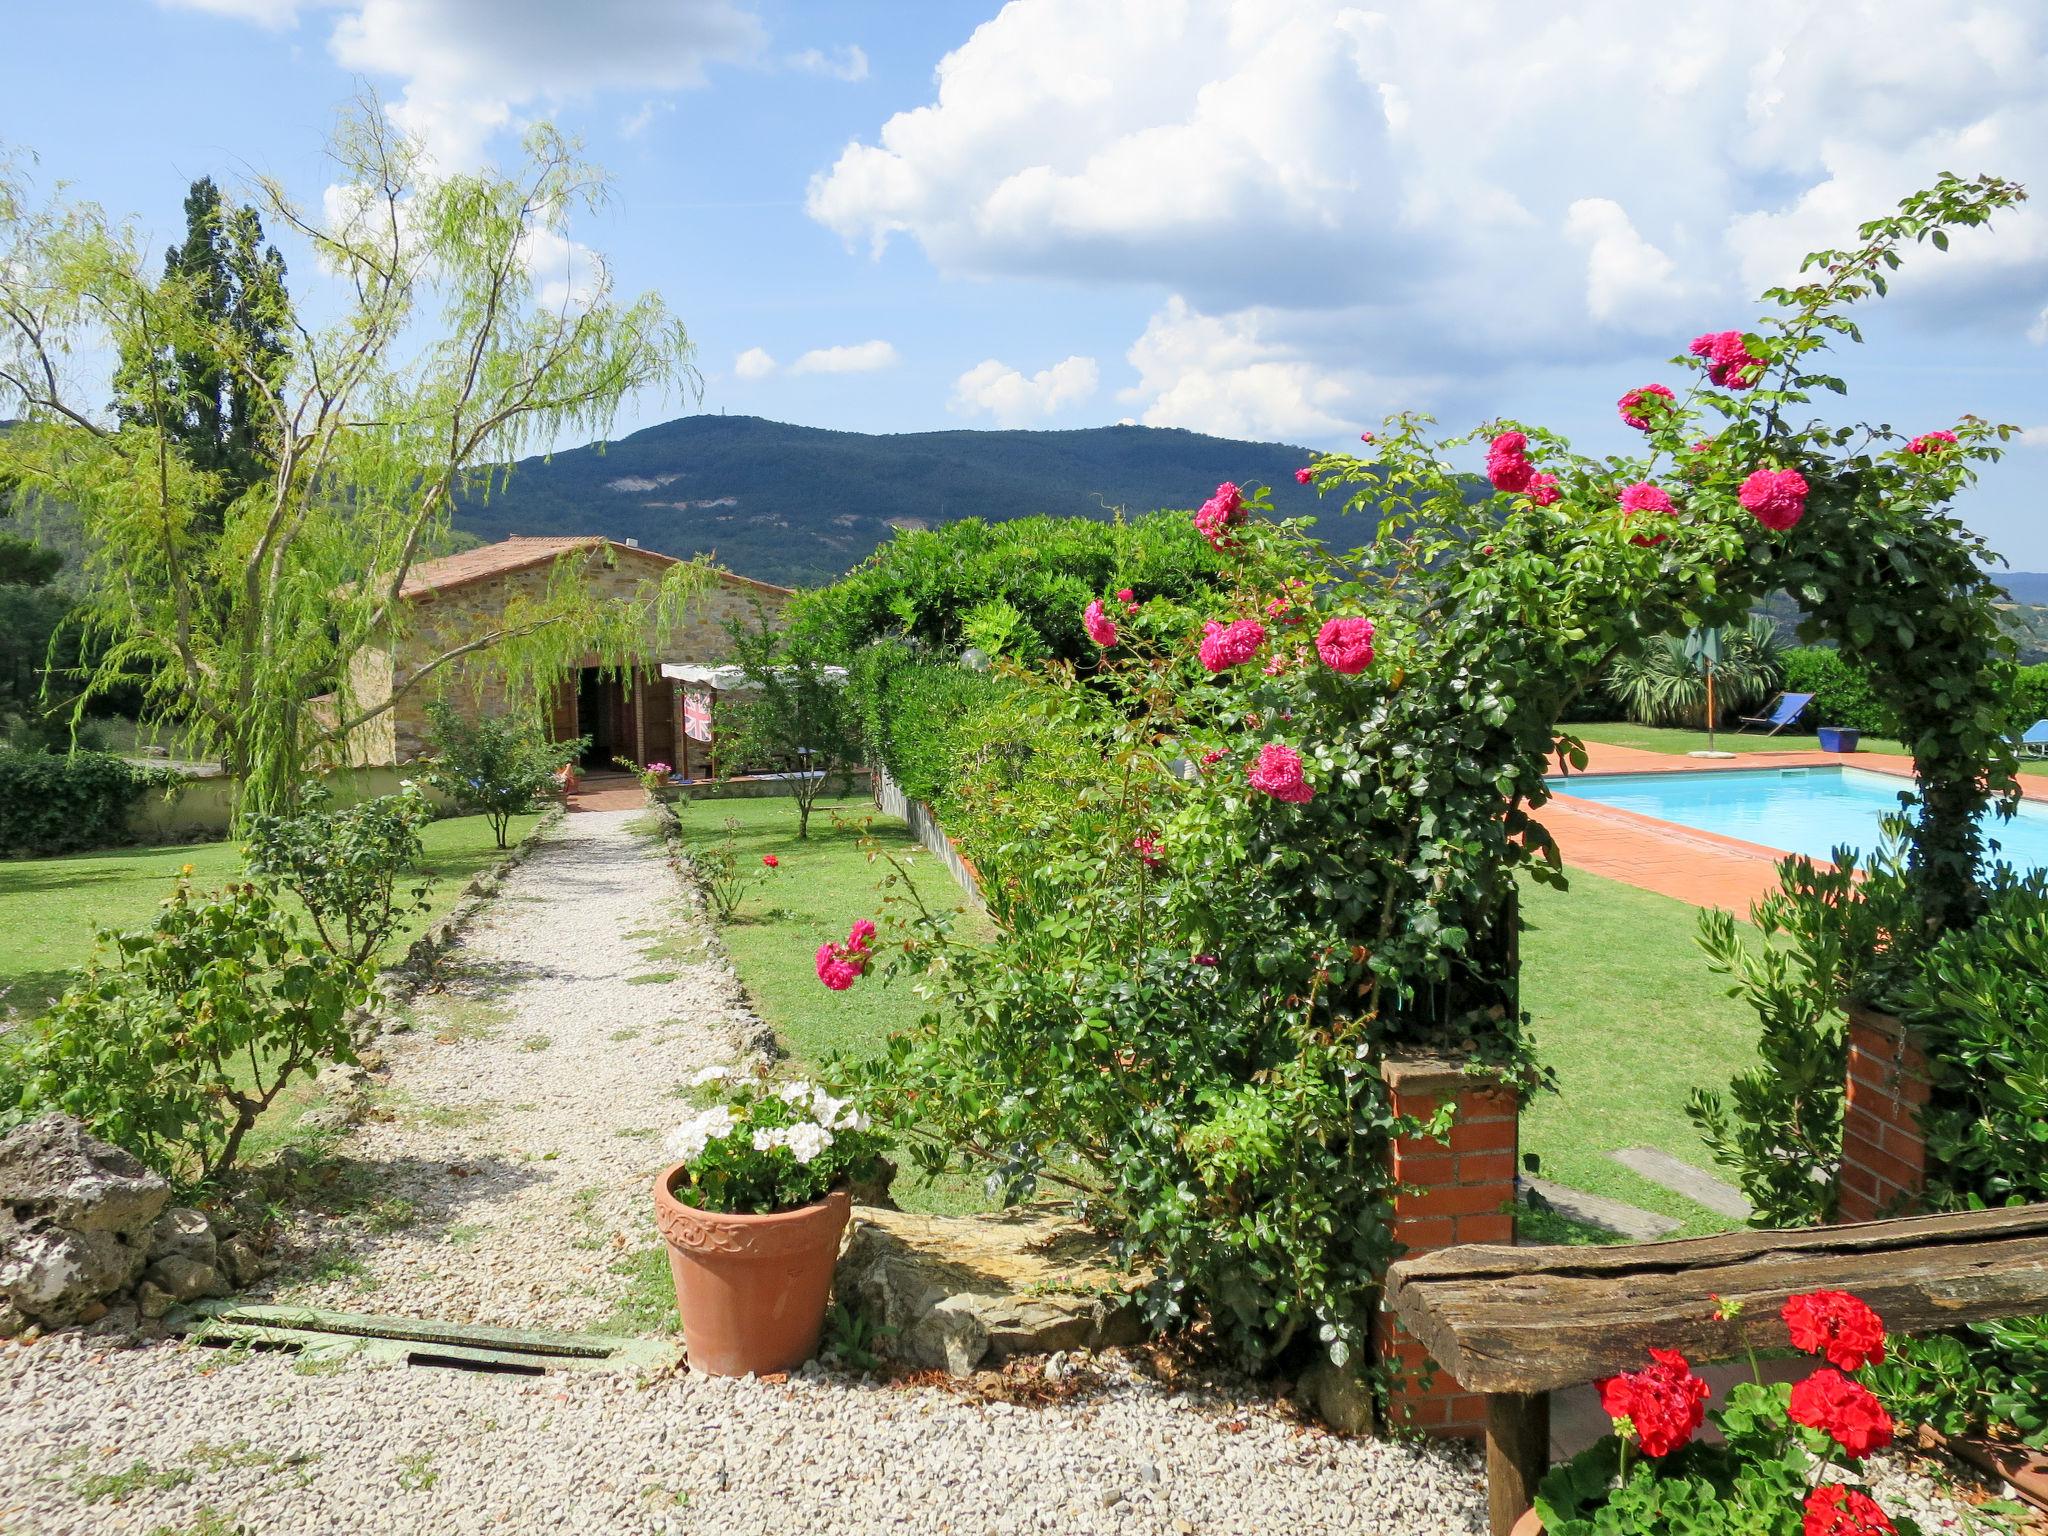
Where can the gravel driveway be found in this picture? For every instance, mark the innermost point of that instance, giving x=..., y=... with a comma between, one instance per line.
x=507, y=1168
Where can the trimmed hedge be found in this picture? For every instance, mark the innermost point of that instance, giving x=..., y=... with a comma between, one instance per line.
x=53, y=804
x=1841, y=691
x=915, y=714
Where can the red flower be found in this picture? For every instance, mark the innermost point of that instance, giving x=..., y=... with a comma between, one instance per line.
x=771, y=861
x=1213, y=755
x=1729, y=361
x=1278, y=773
x=1345, y=645
x=1100, y=626
x=1665, y=1402
x=1146, y=847
x=1837, y=1325
x=1303, y=476
x=1832, y=1510
x=1543, y=491
x=1932, y=442
x=1507, y=463
x=1227, y=645
x=1775, y=497
x=1220, y=513
x=1843, y=1409
x=1632, y=403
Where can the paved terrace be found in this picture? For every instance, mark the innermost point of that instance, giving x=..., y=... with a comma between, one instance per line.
x=1702, y=868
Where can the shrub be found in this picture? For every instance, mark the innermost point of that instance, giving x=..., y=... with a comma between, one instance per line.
x=1987, y=1379
x=501, y=766
x=52, y=804
x=795, y=716
x=178, y=1038
x=345, y=865
x=1665, y=686
x=913, y=712
x=1842, y=691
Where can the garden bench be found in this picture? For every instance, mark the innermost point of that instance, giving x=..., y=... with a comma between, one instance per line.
x=1514, y=1323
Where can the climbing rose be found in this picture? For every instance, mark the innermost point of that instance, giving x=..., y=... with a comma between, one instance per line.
x=1829, y=1401
x=1932, y=442
x=1543, y=489
x=1226, y=645
x=1365, y=437
x=858, y=935
x=771, y=861
x=1213, y=755
x=1124, y=594
x=1729, y=361
x=1832, y=1510
x=1507, y=465
x=1835, y=1324
x=1221, y=512
x=1100, y=626
x=1146, y=847
x=1303, y=476
x=1345, y=645
x=1645, y=497
x=1665, y=1401
x=839, y=967
x=1777, y=497
x=1632, y=403
x=1205, y=959
x=1278, y=773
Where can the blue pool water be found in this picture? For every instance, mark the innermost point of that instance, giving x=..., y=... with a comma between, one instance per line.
x=1801, y=810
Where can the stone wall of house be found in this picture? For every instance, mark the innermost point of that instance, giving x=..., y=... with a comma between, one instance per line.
x=475, y=686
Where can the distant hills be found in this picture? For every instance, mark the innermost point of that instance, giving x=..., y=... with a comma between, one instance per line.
x=801, y=505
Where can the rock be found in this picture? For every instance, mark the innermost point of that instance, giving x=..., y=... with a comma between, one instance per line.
x=54, y=1274
x=153, y=1301
x=13, y=1321
x=186, y=1279
x=243, y=1262
x=1339, y=1398
x=52, y=1173
x=117, y=1322
x=183, y=1234
x=960, y=1291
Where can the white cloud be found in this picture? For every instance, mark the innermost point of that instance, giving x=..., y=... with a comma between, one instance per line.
x=568, y=275
x=847, y=63
x=2033, y=437
x=1478, y=179
x=753, y=364
x=1015, y=399
x=865, y=357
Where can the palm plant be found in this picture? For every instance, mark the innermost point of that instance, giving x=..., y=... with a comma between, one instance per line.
x=1665, y=686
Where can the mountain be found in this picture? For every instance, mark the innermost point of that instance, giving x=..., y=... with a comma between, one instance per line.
x=801, y=505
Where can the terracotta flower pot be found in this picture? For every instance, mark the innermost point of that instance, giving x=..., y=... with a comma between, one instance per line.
x=1531, y=1524
x=751, y=1289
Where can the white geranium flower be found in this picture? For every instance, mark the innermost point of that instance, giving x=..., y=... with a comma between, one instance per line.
x=710, y=1075
x=767, y=1138
x=795, y=1093
x=806, y=1139
x=838, y=1114
x=686, y=1143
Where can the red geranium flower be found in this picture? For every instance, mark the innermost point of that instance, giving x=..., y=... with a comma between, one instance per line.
x=1665, y=1401
x=771, y=861
x=1832, y=1510
x=1844, y=1410
x=1835, y=1324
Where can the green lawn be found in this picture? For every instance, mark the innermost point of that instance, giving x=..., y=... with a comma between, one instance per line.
x=50, y=907
x=1623, y=1006
x=1658, y=738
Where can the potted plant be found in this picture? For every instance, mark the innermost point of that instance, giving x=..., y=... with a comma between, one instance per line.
x=1838, y=738
x=752, y=1210
x=1785, y=1464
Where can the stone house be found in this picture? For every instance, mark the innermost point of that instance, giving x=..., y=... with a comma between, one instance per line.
x=633, y=713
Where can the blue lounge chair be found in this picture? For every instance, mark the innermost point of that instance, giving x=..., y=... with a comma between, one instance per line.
x=2033, y=741
x=1784, y=709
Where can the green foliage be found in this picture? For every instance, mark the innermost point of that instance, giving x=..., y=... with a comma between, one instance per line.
x=180, y=1036
x=795, y=717
x=1843, y=693
x=1015, y=589
x=1988, y=1379
x=345, y=865
x=1665, y=686
x=25, y=563
x=814, y=1143
x=52, y=804
x=499, y=765
x=726, y=877
x=914, y=714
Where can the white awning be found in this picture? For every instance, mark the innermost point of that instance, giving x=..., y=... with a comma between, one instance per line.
x=724, y=678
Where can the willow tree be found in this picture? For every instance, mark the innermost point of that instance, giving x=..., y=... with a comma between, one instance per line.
x=464, y=328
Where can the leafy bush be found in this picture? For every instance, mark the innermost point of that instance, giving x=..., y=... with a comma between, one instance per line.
x=1984, y=1379
x=500, y=766
x=1665, y=686
x=1843, y=693
x=51, y=804
x=795, y=716
x=178, y=1038
x=912, y=712
x=345, y=865
x=2029, y=696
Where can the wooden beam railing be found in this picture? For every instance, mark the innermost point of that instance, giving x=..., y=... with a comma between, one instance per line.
x=1515, y=1323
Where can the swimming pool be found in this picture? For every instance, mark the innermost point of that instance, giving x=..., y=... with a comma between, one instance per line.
x=1801, y=810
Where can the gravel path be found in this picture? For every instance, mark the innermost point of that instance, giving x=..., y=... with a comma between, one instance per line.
x=507, y=1168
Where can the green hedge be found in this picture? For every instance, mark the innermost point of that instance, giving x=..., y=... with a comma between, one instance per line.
x=914, y=714
x=1841, y=691
x=53, y=804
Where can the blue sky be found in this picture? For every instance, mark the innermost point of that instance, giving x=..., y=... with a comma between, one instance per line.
x=1266, y=218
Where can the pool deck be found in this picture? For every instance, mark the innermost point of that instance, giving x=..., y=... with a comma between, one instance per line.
x=1702, y=868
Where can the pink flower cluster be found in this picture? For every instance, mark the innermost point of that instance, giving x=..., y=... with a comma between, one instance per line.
x=1932, y=442
x=1645, y=497
x=841, y=965
x=1228, y=645
x=1147, y=848
x=1100, y=626
x=1730, y=363
x=1278, y=773
x=1345, y=645
x=1632, y=403
x=1219, y=514
x=1128, y=598
x=1507, y=462
x=1303, y=476
x=1775, y=497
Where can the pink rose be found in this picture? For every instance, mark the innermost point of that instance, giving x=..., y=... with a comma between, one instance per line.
x=1345, y=645
x=1542, y=490
x=1507, y=466
x=1227, y=645
x=1775, y=497
x=1100, y=626
x=1303, y=476
x=1932, y=442
x=1147, y=848
x=1278, y=773
x=1365, y=437
x=858, y=935
x=1645, y=497
x=1729, y=362
x=837, y=968
x=1632, y=403
x=1219, y=514
x=1125, y=595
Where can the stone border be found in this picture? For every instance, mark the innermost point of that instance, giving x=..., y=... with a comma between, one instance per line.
x=757, y=1036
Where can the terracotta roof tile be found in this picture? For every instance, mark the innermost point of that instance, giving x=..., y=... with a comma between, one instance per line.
x=523, y=551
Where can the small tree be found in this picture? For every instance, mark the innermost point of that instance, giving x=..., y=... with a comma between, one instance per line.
x=798, y=715
x=500, y=766
x=345, y=865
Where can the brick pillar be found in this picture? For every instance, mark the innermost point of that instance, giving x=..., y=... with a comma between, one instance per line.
x=1884, y=1158
x=1463, y=1191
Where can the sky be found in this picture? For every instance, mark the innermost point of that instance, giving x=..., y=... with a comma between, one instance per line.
x=1261, y=218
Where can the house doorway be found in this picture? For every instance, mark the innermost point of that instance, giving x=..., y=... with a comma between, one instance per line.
x=603, y=717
